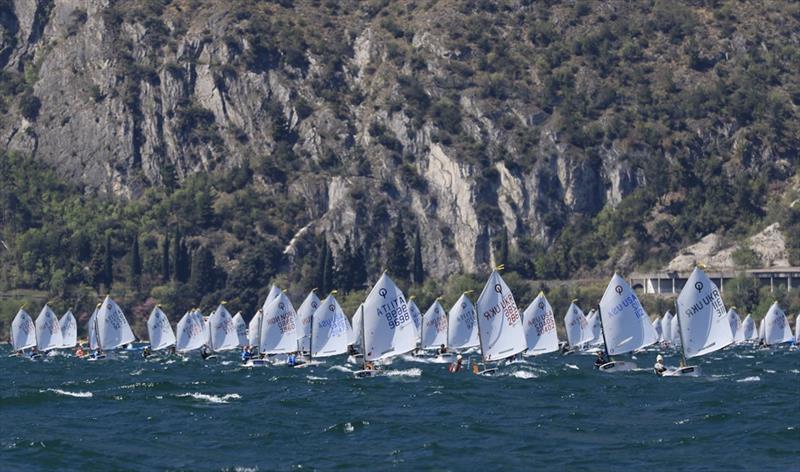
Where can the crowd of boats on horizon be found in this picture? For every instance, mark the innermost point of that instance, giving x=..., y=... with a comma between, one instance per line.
x=387, y=325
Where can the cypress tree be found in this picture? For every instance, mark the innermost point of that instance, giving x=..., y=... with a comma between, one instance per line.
x=327, y=271
x=359, y=268
x=419, y=270
x=108, y=264
x=203, y=274
x=176, y=258
x=502, y=251
x=344, y=272
x=165, y=268
x=320, y=266
x=398, y=252
x=136, y=263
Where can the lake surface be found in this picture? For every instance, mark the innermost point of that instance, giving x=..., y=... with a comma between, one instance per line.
x=551, y=412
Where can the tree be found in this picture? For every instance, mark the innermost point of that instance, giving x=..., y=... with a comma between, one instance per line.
x=181, y=258
x=204, y=272
x=108, y=265
x=502, y=249
x=327, y=270
x=419, y=270
x=359, y=268
x=165, y=267
x=345, y=268
x=398, y=252
x=176, y=250
x=136, y=263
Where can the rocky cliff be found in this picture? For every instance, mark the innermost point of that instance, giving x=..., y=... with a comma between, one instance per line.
x=467, y=119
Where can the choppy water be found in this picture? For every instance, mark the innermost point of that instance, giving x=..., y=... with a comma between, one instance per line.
x=550, y=412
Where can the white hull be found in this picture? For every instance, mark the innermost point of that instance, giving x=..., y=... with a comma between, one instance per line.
x=258, y=363
x=360, y=374
x=688, y=371
x=617, y=366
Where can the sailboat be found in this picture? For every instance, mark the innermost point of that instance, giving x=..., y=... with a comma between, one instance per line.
x=749, y=330
x=69, y=330
x=539, y=324
x=112, y=327
x=462, y=325
x=658, y=327
x=254, y=330
x=434, y=328
x=776, y=326
x=626, y=326
x=666, y=328
x=593, y=320
x=797, y=329
x=91, y=331
x=386, y=324
x=416, y=317
x=304, y=315
x=499, y=323
x=278, y=328
x=222, y=332
x=191, y=332
x=328, y=335
x=675, y=335
x=48, y=331
x=761, y=331
x=703, y=323
x=735, y=322
x=578, y=332
x=23, y=332
x=241, y=329
x=159, y=331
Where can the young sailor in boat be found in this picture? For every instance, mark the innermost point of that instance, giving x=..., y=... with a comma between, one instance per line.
x=601, y=359
x=205, y=352
x=294, y=360
x=442, y=350
x=146, y=352
x=456, y=366
x=246, y=354
x=79, y=352
x=659, y=366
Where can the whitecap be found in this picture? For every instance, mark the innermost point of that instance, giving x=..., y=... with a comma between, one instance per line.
x=413, y=372
x=341, y=369
x=313, y=377
x=211, y=398
x=522, y=374
x=69, y=394
x=754, y=378
x=572, y=366
x=769, y=371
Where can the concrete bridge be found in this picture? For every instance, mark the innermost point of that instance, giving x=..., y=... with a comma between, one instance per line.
x=672, y=282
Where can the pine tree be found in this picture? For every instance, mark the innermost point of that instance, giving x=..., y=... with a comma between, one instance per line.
x=344, y=271
x=176, y=251
x=204, y=272
x=419, y=270
x=136, y=263
x=108, y=265
x=398, y=252
x=165, y=268
x=502, y=250
x=320, y=266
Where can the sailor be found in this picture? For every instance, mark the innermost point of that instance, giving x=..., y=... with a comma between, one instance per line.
x=79, y=352
x=442, y=350
x=291, y=359
x=205, y=353
x=456, y=366
x=601, y=359
x=659, y=367
x=146, y=352
x=246, y=355
x=171, y=350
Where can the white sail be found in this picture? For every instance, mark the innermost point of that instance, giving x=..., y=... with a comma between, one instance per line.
x=499, y=322
x=749, y=330
x=91, y=329
x=674, y=332
x=241, y=330
x=69, y=330
x=329, y=329
x=659, y=330
x=304, y=315
x=416, y=317
x=23, y=331
x=761, y=327
x=354, y=329
x=279, y=327
x=736, y=325
x=540, y=326
x=666, y=327
x=224, y=336
x=254, y=329
x=797, y=329
x=159, y=330
x=578, y=331
x=434, y=327
x=777, y=328
x=462, y=324
x=113, y=329
x=388, y=328
x=48, y=331
x=274, y=292
x=703, y=318
x=191, y=332
x=625, y=323
x=595, y=327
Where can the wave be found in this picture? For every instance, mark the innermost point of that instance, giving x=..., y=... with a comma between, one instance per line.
x=340, y=368
x=413, y=372
x=211, y=398
x=523, y=374
x=313, y=377
x=572, y=366
x=69, y=394
x=754, y=378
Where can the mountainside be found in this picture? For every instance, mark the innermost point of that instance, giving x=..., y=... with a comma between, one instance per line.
x=562, y=137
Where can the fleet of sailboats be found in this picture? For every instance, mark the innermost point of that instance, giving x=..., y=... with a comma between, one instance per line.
x=387, y=325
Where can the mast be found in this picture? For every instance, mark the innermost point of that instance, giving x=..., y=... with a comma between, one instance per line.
x=680, y=333
x=603, y=332
x=363, y=340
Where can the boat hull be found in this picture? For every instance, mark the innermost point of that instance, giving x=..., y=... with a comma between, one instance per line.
x=258, y=363
x=361, y=374
x=688, y=371
x=617, y=366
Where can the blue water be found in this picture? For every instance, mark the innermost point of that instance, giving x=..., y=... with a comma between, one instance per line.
x=550, y=412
